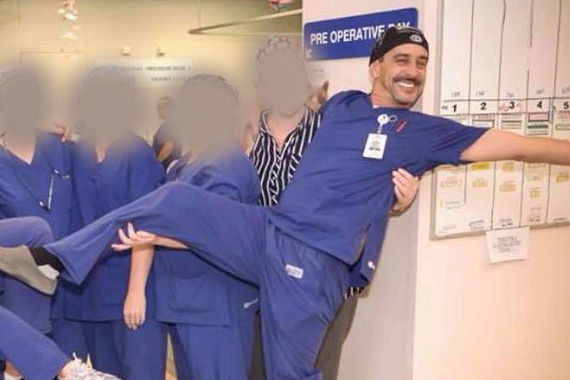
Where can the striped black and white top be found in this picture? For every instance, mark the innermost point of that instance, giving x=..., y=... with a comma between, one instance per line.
x=275, y=166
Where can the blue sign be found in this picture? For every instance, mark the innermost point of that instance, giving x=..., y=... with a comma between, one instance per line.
x=351, y=37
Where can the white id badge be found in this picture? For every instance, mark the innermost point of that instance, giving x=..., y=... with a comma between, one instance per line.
x=375, y=146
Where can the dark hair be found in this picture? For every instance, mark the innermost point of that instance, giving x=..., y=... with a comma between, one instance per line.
x=212, y=80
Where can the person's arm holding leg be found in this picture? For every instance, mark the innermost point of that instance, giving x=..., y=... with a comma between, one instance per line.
x=142, y=238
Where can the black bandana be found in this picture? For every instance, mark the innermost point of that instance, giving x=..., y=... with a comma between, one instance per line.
x=394, y=37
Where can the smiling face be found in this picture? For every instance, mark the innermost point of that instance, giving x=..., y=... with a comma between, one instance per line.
x=399, y=77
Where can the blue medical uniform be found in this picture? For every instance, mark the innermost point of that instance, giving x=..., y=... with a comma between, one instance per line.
x=68, y=334
x=25, y=190
x=37, y=357
x=128, y=171
x=210, y=312
x=298, y=252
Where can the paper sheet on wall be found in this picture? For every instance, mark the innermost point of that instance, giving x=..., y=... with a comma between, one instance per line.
x=450, y=200
x=480, y=185
x=508, y=180
x=514, y=52
x=455, y=57
x=536, y=176
x=559, y=197
x=485, y=57
x=508, y=245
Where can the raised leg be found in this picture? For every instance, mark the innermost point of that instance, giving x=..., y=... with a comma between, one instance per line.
x=226, y=233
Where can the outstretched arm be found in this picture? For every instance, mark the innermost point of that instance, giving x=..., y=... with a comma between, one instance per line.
x=496, y=145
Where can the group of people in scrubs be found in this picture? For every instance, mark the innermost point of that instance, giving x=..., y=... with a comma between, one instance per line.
x=267, y=237
x=120, y=314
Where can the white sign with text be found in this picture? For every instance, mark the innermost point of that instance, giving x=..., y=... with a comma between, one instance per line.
x=508, y=244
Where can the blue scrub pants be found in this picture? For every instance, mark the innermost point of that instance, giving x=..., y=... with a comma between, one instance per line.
x=212, y=352
x=30, y=305
x=300, y=287
x=34, y=355
x=129, y=354
x=33, y=307
x=69, y=336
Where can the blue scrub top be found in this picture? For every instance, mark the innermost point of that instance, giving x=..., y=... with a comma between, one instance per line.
x=189, y=289
x=23, y=186
x=337, y=195
x=129, y=171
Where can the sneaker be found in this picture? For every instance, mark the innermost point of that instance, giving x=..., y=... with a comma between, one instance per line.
x=77, y=370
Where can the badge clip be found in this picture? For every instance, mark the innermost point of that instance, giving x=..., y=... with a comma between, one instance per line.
x=385, y=119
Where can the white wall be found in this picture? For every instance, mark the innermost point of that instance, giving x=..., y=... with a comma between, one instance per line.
x=437, y=310
x=476, y=321
x=108, y=25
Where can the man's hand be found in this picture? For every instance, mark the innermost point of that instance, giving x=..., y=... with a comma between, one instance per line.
x=134, y=309
x=406, y=188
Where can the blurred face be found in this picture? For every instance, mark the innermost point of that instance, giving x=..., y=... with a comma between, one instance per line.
x=107, y=108
x=207, y=114
x=21, y=106
x=283, y=83
x=162, y=109
x=399, y=77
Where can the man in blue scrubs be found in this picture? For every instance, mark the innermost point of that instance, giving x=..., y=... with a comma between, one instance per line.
x=34, y=355
x=300, y=253
x=285, y=130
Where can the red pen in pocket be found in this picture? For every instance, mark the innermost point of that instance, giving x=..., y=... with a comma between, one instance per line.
x=401, y=126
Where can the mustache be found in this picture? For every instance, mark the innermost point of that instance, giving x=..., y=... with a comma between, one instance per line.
x=415, y=81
